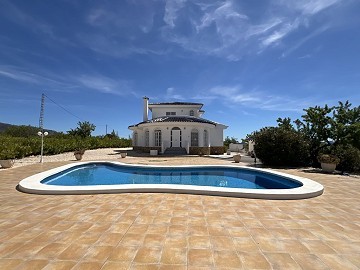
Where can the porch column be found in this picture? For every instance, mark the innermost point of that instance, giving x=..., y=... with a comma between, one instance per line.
x=209, y=143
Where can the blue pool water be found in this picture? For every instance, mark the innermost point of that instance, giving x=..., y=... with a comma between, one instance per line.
x=110, y=174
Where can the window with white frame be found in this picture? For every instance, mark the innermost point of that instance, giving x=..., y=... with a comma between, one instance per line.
x=147, y=138
x=192, y=113
x=157, y=137
x=170, y=113
x=206, y=138
x=194, y=138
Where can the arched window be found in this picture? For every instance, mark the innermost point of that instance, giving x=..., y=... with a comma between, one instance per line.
x=147, y=138
x=206, y=138
x=135, y=142
x=192, y=113
x=194, y=138
x=157, y=137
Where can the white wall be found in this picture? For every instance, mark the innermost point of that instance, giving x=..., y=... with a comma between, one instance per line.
x=158, y=112
x=215, y=134
x=236, y=147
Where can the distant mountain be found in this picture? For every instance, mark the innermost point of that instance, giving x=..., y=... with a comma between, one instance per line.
x=27, y=130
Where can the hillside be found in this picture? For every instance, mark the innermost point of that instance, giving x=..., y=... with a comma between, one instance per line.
x=4, y=126
x=29, y=129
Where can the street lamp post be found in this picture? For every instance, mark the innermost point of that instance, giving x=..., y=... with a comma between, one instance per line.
x=42, y=134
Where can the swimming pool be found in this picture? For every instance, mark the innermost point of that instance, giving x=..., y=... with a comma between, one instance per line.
x=114, y=177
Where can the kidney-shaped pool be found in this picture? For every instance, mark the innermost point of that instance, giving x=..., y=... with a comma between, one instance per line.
x=114, y=177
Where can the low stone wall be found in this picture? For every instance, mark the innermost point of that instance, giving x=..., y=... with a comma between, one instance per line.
x=217, y=150
x=195, y=150
x=145, y=149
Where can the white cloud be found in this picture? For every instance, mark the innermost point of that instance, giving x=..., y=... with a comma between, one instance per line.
x=281, y=33
x=311, y=7
x=171, y=94
x=171, y=9
x=313, y=34
x=236, y=97
x=225, y=29
x=104, y=84
x=35, y=77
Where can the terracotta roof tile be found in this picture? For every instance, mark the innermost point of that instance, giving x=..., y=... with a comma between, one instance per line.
x=190, y=119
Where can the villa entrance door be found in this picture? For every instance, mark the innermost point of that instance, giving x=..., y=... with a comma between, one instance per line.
x=176, y=137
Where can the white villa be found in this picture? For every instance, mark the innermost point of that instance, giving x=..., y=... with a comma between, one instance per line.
x=177, y=127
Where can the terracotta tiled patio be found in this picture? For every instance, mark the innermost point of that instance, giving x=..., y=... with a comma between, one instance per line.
x=177, y=231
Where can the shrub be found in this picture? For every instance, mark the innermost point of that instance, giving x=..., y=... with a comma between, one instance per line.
x=349, y=158
x=278, y=146
x=18, y=147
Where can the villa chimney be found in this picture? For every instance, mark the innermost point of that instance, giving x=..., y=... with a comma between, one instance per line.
x=146, y=108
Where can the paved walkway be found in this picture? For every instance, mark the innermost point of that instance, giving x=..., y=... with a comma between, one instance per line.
x=178, y=231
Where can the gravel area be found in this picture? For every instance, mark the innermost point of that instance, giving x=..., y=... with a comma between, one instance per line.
x=132, y=157
x=97, y=154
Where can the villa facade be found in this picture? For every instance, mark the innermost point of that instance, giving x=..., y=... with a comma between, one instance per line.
x=177, y=125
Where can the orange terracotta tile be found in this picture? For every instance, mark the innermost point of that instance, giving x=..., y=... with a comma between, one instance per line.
x=109, y=239
x=51, y=251
x=131, y=239
x=172, y=267
x=200, y=257
x=110, y=265
x=148, y=255
x=218, y=231
x=33, y=264
x=309, y=261
x=198, y=230
x=10, y=263
x=254, y=260
x=199, y=242
x=154, y=240
x=88, y=266
x=222, y=243
x=123, y=253
x=281, y=261
x=318, y=247
x=73, y=252
x=291, y=233
x=98, y=253
x=174, y=256
x=60, y=265
x=178, y=230
x=227, y=259
x=335, y=261
x=246, y=244
x=176, y=242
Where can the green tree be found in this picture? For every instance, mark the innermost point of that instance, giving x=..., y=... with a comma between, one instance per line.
x=229, y=140
x=112, y=135
x=83, y=130
x=326, y=127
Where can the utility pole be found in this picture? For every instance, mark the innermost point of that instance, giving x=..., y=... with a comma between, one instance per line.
x=106, y=129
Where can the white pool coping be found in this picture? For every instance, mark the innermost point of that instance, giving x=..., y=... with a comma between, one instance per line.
x=309, y=188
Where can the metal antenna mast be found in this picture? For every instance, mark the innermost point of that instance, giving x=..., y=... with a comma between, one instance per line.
x=41, y=133
x=41, y=119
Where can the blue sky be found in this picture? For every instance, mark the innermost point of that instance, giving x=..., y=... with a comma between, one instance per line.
x=249, y=62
